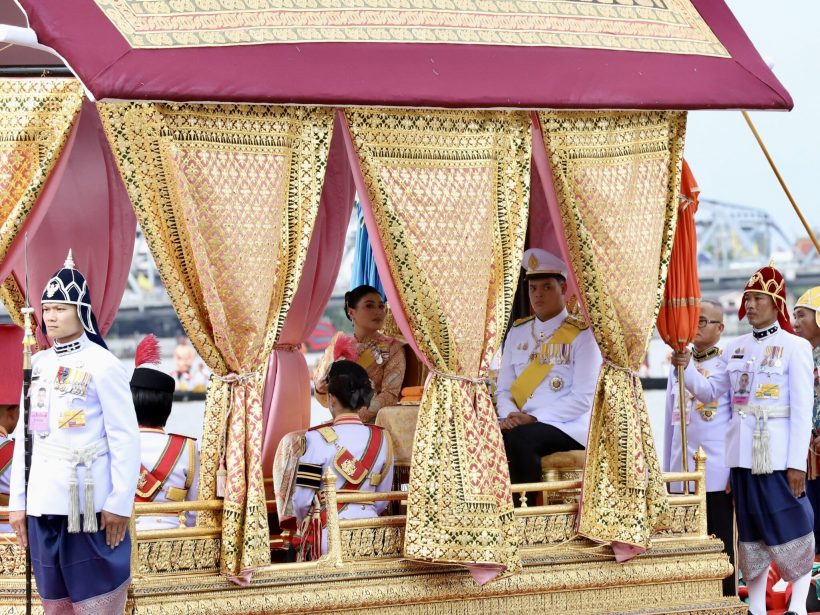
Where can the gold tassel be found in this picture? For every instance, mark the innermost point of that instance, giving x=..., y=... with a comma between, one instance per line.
x=221, y=478
x=73, y=504
x=89, y=512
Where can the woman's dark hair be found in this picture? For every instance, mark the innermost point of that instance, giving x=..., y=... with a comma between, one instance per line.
x=153, y=407
x=352, y=297
x=349, y=383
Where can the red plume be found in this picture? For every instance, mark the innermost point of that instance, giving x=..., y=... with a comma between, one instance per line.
x=147, y=351
x=345, y=348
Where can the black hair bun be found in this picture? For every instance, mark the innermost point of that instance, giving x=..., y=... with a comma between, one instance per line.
x=349, y=383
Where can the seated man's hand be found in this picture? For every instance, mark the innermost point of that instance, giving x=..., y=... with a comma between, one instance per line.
x=521, y=418
x=681, y=359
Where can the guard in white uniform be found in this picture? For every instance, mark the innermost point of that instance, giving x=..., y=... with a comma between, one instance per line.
x=360, y=455
x=706, y=424
x=549, y=371
x=85, y=460
x=170, y=462
x=769, y=379
x=11, y=390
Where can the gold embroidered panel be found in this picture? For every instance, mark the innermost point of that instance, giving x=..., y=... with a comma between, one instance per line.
x=227, y=196
x=36, y=117
x=449, y=192
x=660, y=26
x=616, y=177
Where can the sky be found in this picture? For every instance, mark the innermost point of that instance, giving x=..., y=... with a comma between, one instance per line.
x=720, y=148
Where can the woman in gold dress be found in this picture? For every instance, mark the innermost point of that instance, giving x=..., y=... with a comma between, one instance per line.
x=382, y=356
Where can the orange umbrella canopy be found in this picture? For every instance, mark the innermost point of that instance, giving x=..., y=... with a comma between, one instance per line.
x=680, y=309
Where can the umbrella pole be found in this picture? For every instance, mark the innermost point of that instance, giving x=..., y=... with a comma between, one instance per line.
x=682, y=406
x=782, y=182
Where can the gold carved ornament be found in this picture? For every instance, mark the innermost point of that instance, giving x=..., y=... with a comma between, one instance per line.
x=616, y=177
x=656, y=26
x=227, y=197
x=449, y=192
x=36, y=118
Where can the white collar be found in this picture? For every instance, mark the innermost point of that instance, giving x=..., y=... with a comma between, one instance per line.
x=71, y=347
x=760, y=334
x=555, y=321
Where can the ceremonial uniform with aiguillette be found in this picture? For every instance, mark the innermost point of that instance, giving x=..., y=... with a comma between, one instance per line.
x=85, y=459
x=550, y=370
x=768, y=377
x=706, y=424
x=169, y=470
x=361, y=457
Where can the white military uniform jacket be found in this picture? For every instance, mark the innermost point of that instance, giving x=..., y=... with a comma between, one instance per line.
x=771, y=373
x=319, y=454
x=88, y=399
x=564, y=398
x=186, y=472
x=5, y=480
x=706, y=425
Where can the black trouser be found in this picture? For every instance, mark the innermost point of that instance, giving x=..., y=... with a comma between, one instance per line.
x=720, y=521
x=526, y=444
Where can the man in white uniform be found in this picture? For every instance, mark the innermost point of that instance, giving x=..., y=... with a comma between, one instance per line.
x=74, y=512
x=706, y=424
x=170, y=462
x=769, y=378
x=549, y=371
x=11, y=390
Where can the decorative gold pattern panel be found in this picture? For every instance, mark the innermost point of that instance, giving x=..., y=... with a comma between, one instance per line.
x=227, y=196
x=616, y=177
x=36, y=117
x=178, y=556
x=449, y=192
x=661, y=26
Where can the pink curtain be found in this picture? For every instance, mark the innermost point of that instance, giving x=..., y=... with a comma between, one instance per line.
x=545, y=228
x=287, y=387
x=84, y=207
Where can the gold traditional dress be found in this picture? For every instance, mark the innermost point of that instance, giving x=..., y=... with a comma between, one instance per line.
x=382, y=357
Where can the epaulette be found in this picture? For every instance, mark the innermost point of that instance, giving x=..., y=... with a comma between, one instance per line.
x=521, y=321
x=577, y=321
x=320, y=425
x=182, y=436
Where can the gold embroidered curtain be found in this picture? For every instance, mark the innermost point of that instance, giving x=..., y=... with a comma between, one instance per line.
x=616, y=178
x=449, y=191
x=227, y=196
x=36, y=118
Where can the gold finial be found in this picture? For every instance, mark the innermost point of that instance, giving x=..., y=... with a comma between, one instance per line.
x=771, y=263
x=69, y=261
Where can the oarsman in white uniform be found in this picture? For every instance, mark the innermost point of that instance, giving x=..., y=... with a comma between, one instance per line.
x=706, y=425
x=807, y=326
x=361, y=457
x=11, y=390
x=549, y=371
x=170, y=462
x=769, y=378
x=85, y=460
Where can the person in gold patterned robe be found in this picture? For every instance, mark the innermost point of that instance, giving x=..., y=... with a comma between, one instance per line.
x=381, y=356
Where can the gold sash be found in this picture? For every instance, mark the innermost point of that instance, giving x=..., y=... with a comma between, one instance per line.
x=535, y=373
x=366, y=358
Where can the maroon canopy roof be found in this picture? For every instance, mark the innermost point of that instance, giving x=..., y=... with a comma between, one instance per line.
x=416, y=74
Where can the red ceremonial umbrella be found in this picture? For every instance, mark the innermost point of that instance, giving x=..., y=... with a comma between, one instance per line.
x=680, y=309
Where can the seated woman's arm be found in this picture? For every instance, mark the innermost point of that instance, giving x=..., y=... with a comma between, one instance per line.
x=320, y=374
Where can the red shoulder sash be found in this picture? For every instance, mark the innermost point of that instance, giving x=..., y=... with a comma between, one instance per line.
x=6, y=455
x=150, y=483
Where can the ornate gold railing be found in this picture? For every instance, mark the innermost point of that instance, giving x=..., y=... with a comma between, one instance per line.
x=197, y=549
